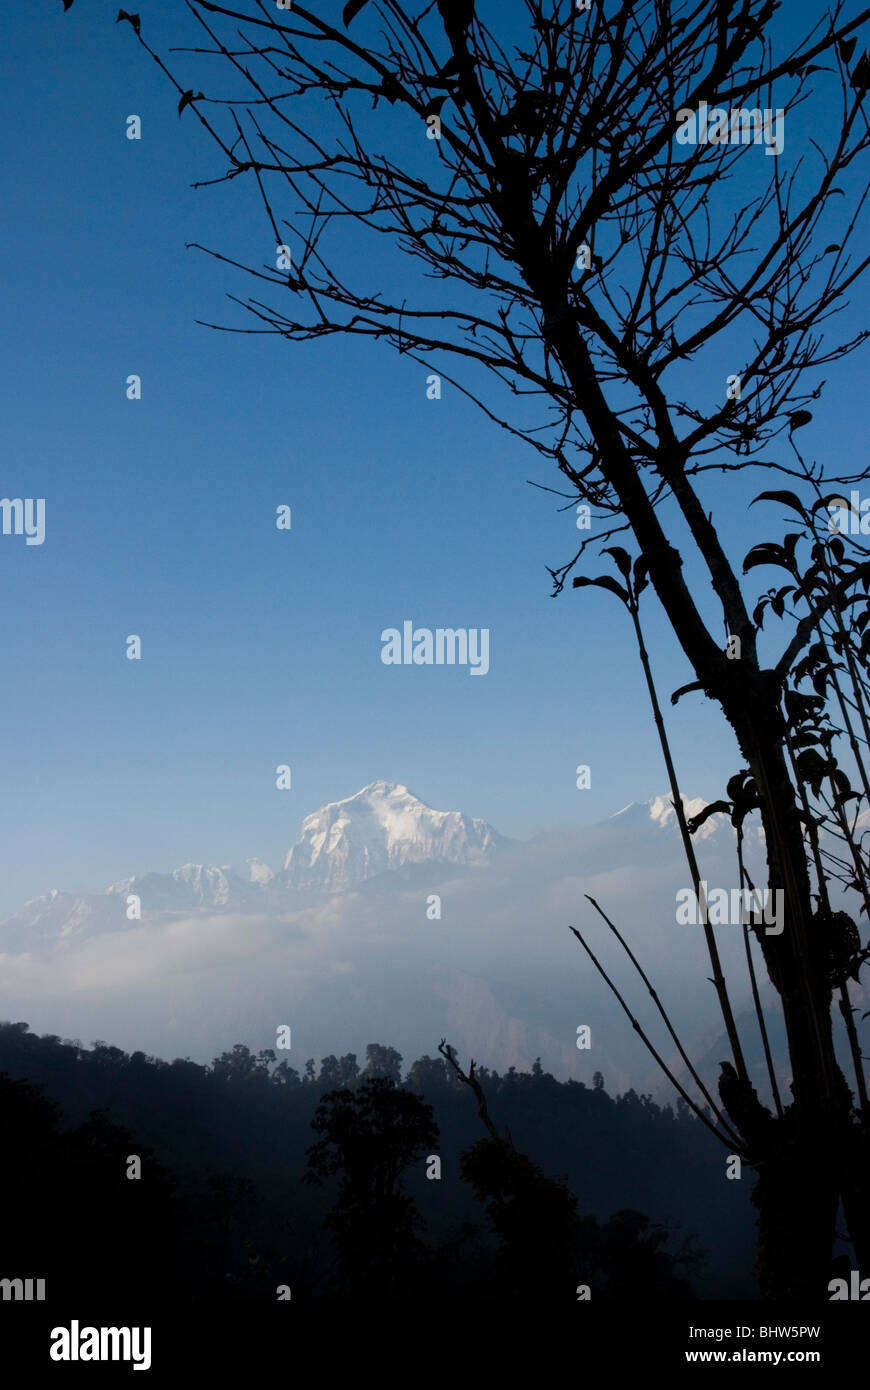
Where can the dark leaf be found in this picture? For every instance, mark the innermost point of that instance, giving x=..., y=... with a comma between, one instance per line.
x=433, y=107
x=799, y=707
x=351, y=9
x=846, y=47
x=812, y=769
x=603, y=582
x=390, y=88
x=805, y=740
x=765, y=554
x=834, y=246
x=788, y=499
x=833, y=500
x=860, y=79
x=842, y=797
x=621, y=559
x=799, y=418
x=186, y=99
x=67, y=4
x=130, y=18
x=739, y=786
x=841, y=781
x=820, y=684
x=789, y=542
x=641, y=576
x=695, y=822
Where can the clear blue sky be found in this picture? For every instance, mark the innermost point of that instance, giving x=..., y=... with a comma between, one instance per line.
x=262, y=647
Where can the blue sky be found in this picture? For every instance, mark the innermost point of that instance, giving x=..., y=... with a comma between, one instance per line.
x=262, y=647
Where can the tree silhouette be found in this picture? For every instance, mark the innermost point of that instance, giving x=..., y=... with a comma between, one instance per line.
x=384, y=1062
x=369, y=1137
x=75, y=1216
x=545, y=1248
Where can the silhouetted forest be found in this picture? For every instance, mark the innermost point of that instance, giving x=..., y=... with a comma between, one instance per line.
x=255, y=1177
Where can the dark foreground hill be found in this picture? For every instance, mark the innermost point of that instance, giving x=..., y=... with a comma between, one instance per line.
x=220, y=1209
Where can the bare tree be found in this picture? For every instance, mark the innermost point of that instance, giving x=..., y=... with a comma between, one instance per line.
x=602, y=190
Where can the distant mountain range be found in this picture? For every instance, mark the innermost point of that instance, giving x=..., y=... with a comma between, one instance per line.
x=382, y=829
x=389, y=921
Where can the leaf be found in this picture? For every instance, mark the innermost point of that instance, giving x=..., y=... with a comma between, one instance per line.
x=833, y=499
x=765, y=554
x=788, y=499
x=433, y=107
x=846, y=47
x=744, y=796
x=351, y=10
x=187, y=98
x=621, y=559
x=860, y=79
x=800, y=707
x=641, y=575
x=603, y=582
x=390, y=88
x=130, y=18
x=805, y=740
x=67, y=4
x=812, y=769
x=694, y=823
x=820, y=685
x=799, y=418
x=834, y=246
x=789, y=542
x=736, y=785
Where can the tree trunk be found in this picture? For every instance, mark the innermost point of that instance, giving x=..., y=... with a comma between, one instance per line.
x=803, y=1159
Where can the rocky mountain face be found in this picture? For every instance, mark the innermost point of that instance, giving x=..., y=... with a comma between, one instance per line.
x=381, y=828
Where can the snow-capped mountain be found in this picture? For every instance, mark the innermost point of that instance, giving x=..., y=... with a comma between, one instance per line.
x=391, y=919
x=659, y=811
x=193, y=885
x=381, y=828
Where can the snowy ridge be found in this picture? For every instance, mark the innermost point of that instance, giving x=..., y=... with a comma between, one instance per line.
x=381, y=828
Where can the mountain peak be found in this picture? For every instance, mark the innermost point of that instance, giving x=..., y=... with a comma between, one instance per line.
x=659, y=811
x=382, y=827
